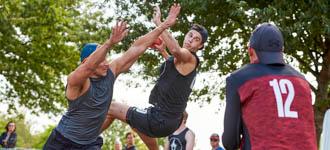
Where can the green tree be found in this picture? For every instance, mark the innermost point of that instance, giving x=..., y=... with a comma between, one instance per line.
x=305, y=26
x=40, y=139
x=39, y=46
x=39, y=42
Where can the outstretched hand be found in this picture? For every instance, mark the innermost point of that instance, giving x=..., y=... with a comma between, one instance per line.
x=157, y=16
x=174, y=12
x=119, y=31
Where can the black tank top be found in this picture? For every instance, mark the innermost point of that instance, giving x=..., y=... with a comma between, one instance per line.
x=178, y=142
x=171, y=92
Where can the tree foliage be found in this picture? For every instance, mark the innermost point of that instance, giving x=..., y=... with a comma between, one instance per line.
x=40, y=139
x=305, y=26
x=39, y=42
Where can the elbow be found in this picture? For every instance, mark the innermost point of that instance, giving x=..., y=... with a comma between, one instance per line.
x=229, y=144
x=174, y=51
x=229, y=147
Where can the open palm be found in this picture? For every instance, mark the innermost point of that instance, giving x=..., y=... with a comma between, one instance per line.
x=174, y=12
x=157, y=16
x=119, y=31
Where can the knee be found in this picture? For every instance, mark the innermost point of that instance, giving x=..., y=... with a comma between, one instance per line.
x=110, y=116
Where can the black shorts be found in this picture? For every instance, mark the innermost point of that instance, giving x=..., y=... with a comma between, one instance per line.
x=56, y=141
x=152, y=122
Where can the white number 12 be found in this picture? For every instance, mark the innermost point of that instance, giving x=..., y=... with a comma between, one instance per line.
x=279, y=88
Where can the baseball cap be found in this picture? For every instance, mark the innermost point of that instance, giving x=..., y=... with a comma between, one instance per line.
x=87, y=50
x=201, y=30
x=267, y=40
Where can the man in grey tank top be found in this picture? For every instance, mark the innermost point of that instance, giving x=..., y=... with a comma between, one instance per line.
x=90, y=86
x=170, y=95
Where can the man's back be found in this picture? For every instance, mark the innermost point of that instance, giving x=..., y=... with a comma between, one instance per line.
x=276, y=107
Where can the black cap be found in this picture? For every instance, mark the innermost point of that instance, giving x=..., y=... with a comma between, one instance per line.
x=267, y=40
x=201, y=30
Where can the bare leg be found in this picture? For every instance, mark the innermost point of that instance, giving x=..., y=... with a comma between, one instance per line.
x=108, y=121
x=150, y=142
x=118, y=111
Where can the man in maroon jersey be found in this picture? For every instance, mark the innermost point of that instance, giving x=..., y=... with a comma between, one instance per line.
x=269, y=104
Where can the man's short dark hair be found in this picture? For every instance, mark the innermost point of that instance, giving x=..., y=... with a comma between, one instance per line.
x=129, y=133
x=201, y=30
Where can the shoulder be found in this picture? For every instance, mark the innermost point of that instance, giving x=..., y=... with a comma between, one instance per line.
x=190, y=131
x=245, y=70
x=294, y=71
x=239, y=76
x=191, y=56
x=252, y=71
x=190, y=134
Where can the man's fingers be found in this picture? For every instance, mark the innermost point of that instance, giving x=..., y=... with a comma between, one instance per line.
x=125, y=25
x=125, y=32
x=117, y=25
x=175, y=9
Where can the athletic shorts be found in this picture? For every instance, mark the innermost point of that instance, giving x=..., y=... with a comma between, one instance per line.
x=152, y=122
x=56, y=141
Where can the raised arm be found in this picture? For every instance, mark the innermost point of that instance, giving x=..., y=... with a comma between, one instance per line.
x=124, y=62
x=78, y=77
x=171, y=43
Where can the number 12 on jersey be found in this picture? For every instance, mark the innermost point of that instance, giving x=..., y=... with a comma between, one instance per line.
x=284, y=86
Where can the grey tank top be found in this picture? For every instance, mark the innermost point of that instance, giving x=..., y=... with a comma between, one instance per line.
x=83, y=120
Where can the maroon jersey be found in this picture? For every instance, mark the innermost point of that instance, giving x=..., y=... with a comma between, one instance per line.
x=268, y=107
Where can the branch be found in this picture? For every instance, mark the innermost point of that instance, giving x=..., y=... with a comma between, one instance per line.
x=315, y=62
x=300, y=60
x=313, y=88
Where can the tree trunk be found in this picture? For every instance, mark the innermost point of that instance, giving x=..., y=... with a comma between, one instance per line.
x=322, y=101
